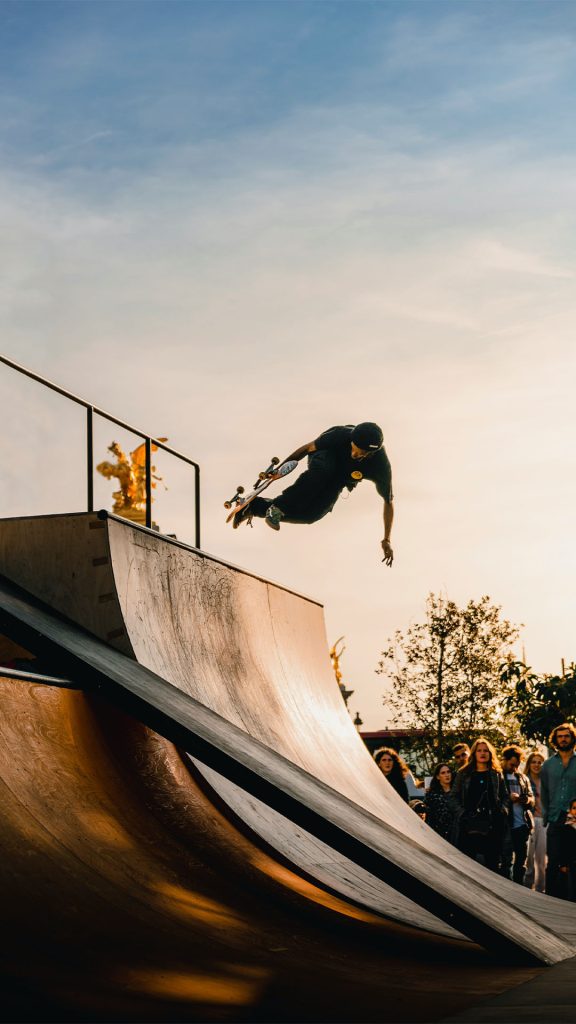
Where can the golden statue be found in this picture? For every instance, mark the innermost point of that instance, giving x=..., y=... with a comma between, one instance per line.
x=335, y=656
x=130, y=500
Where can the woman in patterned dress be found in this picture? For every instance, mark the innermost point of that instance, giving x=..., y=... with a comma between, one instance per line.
x=440, y=810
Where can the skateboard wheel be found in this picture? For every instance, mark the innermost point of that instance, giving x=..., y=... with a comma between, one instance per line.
x=274, y=461
x=227, y=504
x=240, y=489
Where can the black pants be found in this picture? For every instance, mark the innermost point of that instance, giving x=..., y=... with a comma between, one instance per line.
x=312, y=496
x=488, y=847
x=557, y=883
x=515, y=853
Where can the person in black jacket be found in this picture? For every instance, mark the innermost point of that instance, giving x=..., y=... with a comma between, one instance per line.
x=482, y=800
x=520, y=817
x=393, y=769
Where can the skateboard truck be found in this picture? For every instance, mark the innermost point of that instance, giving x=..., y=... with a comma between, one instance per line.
x=235, y=497
x=266, y=472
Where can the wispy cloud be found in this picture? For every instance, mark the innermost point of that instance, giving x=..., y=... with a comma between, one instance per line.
x=66, y=149
x=499, y=256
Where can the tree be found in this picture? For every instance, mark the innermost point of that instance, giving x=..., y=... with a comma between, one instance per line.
x=446, y=675
x=540, y=703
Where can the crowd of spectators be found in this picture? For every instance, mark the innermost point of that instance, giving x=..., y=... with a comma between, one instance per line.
x=520, y=823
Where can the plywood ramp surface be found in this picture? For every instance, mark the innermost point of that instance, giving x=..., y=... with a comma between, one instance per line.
x=256, y=654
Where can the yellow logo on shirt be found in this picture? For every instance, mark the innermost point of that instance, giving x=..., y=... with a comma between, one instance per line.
x=357, y=475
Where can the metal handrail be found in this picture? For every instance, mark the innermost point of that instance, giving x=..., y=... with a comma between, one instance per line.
x=34, y=677
x=92, y=410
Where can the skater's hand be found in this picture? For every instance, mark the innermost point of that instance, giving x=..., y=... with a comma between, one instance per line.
x=388, y=553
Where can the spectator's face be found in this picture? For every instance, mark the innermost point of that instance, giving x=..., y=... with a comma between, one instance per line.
x=482, y=754
x=386, y=764
x=461, y=756
x=511, y=764
x=444, y=776
x=564, y=739
x=536, y=765
x=573, y=807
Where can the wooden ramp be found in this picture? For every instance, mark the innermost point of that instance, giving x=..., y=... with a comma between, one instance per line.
x=235, y=670
x=192, y=643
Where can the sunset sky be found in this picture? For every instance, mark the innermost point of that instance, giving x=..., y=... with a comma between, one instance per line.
x=238, y=223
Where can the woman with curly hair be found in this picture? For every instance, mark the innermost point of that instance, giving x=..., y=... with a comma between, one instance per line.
x=481, y=799
x=393, y=769
x=440, y=812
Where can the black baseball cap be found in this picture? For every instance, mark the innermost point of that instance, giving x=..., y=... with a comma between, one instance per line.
x=368, y=436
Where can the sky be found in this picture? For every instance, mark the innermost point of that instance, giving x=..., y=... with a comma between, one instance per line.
x=237, y=223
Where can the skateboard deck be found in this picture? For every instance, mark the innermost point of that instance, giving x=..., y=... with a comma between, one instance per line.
x=274, y=472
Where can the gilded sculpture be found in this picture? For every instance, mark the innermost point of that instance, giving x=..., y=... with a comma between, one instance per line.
x=335, y=656
x=130, y=471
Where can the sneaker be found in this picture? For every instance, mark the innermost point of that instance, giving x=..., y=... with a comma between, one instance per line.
x=244, y=516
x=274, y=517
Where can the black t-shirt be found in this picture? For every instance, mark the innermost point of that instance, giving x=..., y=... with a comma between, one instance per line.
x=480, y=796
x=375, y=467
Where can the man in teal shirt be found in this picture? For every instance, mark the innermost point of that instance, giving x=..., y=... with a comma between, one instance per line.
x=557, y=790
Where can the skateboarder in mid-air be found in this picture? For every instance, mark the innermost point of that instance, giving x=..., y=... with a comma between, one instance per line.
x=341, y=457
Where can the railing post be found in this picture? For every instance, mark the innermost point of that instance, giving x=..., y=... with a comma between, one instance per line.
x=197, y=503
x=149, y=483
x=90, y=456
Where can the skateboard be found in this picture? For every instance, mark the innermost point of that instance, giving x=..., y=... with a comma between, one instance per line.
x=238, y=502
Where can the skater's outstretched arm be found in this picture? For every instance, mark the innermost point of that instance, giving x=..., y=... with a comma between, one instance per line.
x=388, y=520
x=305, y=449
